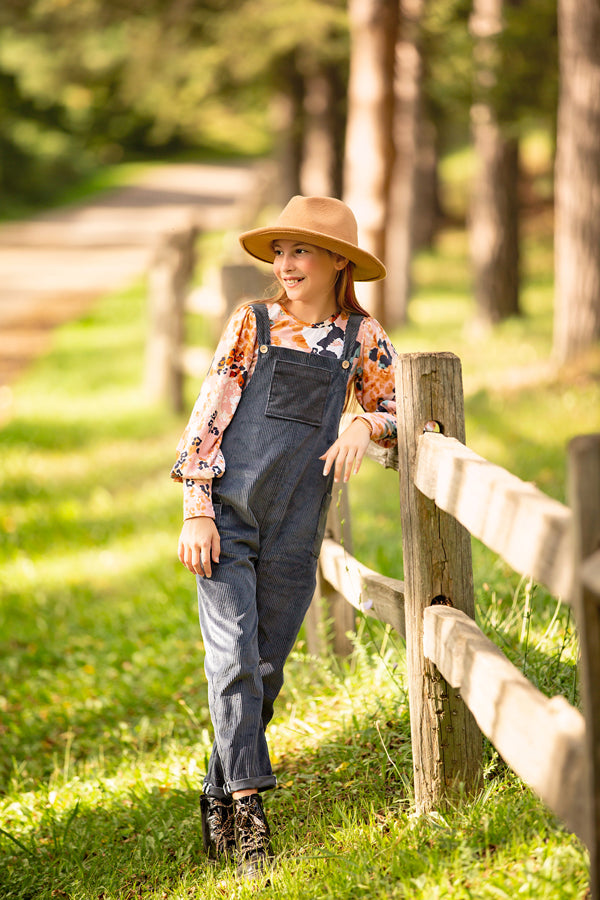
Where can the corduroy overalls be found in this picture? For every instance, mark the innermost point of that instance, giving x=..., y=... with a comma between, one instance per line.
x=270, y=509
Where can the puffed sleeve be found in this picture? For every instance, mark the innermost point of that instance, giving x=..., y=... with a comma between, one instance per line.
x=374, y=382
x=199, y=457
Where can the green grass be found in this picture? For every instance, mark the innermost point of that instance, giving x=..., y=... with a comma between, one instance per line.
x=104, y=726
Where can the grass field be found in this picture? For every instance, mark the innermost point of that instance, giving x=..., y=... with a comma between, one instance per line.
x=104, y=725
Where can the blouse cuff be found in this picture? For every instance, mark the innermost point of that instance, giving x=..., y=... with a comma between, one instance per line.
x=197, y=499
x=382, y=425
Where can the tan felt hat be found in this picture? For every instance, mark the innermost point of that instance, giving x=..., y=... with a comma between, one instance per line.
x=321, y=221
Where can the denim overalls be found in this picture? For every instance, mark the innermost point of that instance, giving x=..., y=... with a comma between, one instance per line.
x=270, y=510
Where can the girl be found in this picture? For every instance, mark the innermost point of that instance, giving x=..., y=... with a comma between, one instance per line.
x=257, y=461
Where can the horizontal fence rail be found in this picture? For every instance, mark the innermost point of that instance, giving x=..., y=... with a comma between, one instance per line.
x=528, y=529
x=371, y=593
x=542, y=739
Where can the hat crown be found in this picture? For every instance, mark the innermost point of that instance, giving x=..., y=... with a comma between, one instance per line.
x=322, y=221
x=321, y=215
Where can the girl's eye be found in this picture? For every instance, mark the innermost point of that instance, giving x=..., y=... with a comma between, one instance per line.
x=297, y=250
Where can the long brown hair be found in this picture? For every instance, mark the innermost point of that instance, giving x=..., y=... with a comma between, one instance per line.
x=345, y=294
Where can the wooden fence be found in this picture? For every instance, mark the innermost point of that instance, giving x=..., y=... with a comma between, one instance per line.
x=460, y=684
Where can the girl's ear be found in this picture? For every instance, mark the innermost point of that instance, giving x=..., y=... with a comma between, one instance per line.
x=340, y=262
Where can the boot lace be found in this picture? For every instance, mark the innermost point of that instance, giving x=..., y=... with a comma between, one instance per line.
x=221, y=824
x=252, y=828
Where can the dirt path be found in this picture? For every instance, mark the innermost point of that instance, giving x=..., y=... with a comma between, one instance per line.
x=54, y=266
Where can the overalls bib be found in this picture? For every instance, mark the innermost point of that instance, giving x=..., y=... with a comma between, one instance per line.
x=270, y=510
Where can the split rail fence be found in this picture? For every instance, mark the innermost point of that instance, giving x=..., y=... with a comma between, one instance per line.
x=459, y=682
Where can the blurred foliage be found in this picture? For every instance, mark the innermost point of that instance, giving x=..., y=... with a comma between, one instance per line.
x=86, y=83
x=522, y=84
x=527, y=83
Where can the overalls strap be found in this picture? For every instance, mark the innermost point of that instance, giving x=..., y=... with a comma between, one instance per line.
x=263, y=329
x=351, y=335
x=263, y=324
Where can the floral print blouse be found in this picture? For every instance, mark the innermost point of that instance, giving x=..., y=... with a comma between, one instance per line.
x=371, y=380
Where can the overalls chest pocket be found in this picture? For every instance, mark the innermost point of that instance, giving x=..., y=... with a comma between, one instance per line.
x=298, y=392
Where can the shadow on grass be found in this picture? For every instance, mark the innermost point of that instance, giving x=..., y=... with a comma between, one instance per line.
x=340, y=818
x=90, y=519
x=145, y=839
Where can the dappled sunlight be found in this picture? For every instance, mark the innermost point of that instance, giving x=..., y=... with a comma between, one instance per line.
x=320, y=697
x=98, y=531
x=326, y=746
x=96, y=568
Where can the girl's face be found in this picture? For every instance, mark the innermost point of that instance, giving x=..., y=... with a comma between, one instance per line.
x=307, y=273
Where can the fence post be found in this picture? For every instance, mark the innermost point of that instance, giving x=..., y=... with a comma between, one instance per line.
x=327, y=603
x=446, y=742
x=242, y=281
x=171, y=269
x=584, y=499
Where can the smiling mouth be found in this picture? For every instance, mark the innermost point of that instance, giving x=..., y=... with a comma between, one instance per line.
x=292, y=282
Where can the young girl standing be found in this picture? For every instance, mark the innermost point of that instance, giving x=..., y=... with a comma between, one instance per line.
x=257, y=461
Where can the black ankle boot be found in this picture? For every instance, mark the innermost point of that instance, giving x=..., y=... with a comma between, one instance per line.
x=252, y=836
x=218, y=834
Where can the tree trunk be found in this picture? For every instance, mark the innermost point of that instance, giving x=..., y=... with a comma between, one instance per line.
x=426, y=211
x=494, y=221
x=369, y=144
x=494, y=210
x=407, y=115
x=577, y=229
x=288, y=123
x=320, y=148
x=338, y=77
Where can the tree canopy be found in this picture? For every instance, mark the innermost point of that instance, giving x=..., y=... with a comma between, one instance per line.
x=86, y=82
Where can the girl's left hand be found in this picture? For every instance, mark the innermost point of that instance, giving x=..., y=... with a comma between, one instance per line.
x=348, y=450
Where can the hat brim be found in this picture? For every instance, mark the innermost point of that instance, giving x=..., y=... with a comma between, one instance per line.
x=259, y=244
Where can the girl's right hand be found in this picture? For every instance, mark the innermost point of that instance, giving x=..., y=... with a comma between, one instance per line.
x=199, y=545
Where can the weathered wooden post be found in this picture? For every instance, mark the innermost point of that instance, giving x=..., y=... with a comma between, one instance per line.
x=447, y=744
x=243, y=281
x=584, y=499
x=327, y=602
x=171, y=269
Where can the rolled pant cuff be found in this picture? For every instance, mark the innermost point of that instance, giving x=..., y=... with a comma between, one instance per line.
x=211, y=790
x=262, y=783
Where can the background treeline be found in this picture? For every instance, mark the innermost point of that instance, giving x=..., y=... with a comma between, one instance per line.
x=89, y=82
x=86, y=82
x=359, y=99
